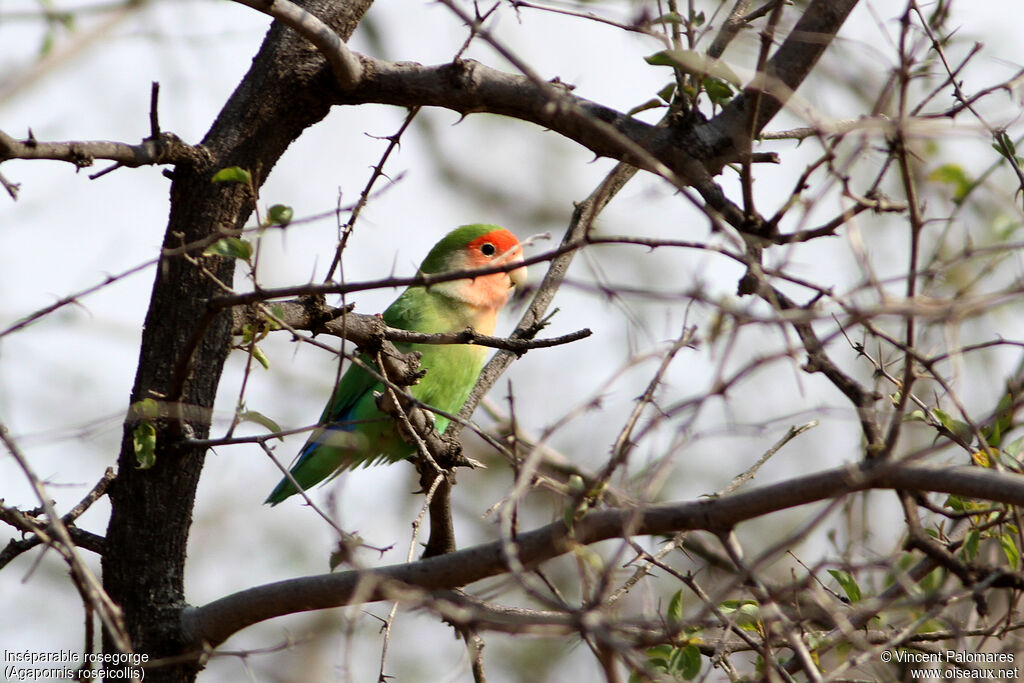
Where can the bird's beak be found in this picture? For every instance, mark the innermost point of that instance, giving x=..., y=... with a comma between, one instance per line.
x=517, y=276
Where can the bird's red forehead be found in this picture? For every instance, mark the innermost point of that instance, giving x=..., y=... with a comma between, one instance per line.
x=502, y=239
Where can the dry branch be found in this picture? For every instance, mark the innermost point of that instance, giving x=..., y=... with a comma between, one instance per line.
x=343, y=61
x=213, y=623
x=167, y=149
x=369, y=331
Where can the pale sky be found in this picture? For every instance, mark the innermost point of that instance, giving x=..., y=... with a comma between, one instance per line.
x=64, y=383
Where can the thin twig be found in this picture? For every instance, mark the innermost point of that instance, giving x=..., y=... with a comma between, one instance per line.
x=776, y=447
x=56, y=535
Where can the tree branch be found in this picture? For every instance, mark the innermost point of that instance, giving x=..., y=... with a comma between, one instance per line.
x=281, y=96
x=368, y=331
x=690, y=154
x=29, y=523
x=787, y=68
x=694, y=153
x=213, y=623
x=532, y=320
x=344, y=63
x=166, y=149
x=469, y=87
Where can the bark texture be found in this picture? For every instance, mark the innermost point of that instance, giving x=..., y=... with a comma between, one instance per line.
x=185, y=343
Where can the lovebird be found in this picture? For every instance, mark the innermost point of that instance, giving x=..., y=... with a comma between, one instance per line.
x=353, y=431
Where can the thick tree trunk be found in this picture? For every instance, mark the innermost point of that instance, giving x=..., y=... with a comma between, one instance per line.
x=184, y=344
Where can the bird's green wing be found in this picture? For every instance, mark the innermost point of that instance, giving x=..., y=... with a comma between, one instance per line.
x=343, y=438
x=352, y=430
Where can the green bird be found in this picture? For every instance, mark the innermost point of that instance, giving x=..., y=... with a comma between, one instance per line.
x=353, y=431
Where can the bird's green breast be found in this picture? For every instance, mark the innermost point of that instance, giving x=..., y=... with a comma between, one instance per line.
x=451, y=369
x=451, y=373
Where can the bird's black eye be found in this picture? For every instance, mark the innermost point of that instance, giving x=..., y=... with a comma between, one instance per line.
x=488, y=249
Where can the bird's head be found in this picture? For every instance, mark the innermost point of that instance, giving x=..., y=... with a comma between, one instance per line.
x=472, y=247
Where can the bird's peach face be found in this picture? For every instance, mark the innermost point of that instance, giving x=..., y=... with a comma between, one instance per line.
x=490, y=292
x=497, y=248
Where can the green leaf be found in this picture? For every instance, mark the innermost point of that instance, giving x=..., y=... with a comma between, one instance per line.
x=957, y=427
x=847, y=583
x=144, y=443
x=954, y=175
x=668, y=18
x=1004, y=144
x=1002, y=422
x=146, y=409
x=591, y=558
x=746, y=611
x=279, y=214
x=337, y=557
x=931, y=582
x=259, y=331
x=915, y=416
x=687, y=662
x=260, y=357
x=577, y=486
x=971, y=542
x=248, y=333
x=719, y=91
x=649, y=104
x=994, y=433
x=659, y=656
x=667, y=92
x=1005, y=404
x=1003, y=227
x=232, y=174
x=675, y=607
x=1008, y=141
x=676, y=663
x=260, y=419
x=569, y=518
x=46, y=47
x=232, y=247
x=344, y=551
x=1010, y=550
x=1014, y=448
x=696, y=64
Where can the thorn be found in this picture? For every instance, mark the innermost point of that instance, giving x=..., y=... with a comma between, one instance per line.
x=474, y=464
x=105, y=171
x=154, y=120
